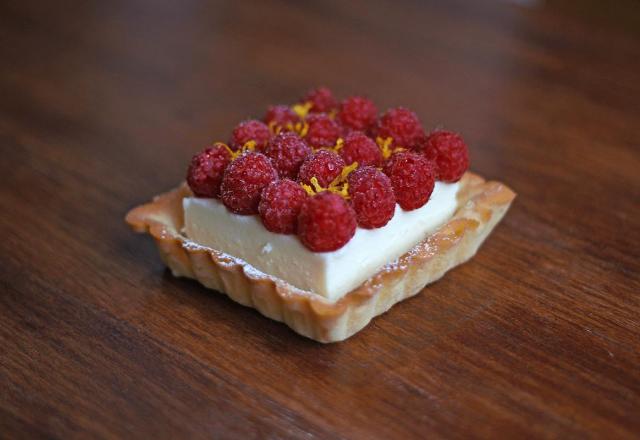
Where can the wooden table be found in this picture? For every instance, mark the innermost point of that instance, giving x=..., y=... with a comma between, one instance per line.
x=103, y=103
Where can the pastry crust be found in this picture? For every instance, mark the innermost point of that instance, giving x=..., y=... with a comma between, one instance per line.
x=481, y=205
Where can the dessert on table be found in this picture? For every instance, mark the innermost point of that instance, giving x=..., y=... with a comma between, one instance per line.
x=324, y=214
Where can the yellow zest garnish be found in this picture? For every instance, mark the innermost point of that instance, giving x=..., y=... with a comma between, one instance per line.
x=333, y=113
x=344, y=174
x=302, y=109
x=339, y=185
x=302, y=128
x=248, y=146
x=299, y=127
x=385, y=147
x=274, y=128
x=342, y=190
x=337, y=147
x=308, y=189
x=222, y=144
x=317, y=188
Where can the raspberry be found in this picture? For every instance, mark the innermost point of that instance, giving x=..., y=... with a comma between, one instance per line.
x=280, y=116
x=206, y=169
x=321, y=100
x=323, y=131
x=324, y=165
x=358, y=113
x=326, y=222
x=287, y=151
x=402, y=125
x=372, y=197
x=412, y=177
x=251, y=130
x=243, y=182
x=449, y=153
x=280, y=205
x=360, y=148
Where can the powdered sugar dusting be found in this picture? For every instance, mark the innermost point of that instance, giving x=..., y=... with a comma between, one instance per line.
x=227, y=260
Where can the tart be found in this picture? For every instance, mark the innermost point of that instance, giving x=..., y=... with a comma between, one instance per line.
x=324, y=215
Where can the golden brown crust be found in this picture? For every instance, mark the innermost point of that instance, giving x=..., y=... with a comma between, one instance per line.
x=481, y=205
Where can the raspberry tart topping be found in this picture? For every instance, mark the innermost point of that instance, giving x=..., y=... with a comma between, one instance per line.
x=320, y=170
x=326, y=222
x=449, y=153
x=206, y=170
x=280, y=205
x=322, y=131
x=360, y=148
x=412, y=177
x=287, y=151
x=402, y=125
x=358, y=113
x=244, y=180
x=324, y=165
x=372, y=197
x=251, y=130
x=321, y=100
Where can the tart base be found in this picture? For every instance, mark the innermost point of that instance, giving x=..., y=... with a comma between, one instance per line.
x=481, y=205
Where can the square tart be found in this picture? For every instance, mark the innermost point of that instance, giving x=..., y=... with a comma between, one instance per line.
x=480, y=206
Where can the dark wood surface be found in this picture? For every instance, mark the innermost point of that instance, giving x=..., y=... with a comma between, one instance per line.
x=103, y=103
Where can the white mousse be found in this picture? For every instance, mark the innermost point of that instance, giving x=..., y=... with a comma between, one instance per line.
x=330, y=274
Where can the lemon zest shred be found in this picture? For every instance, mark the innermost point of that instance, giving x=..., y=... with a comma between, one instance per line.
x=308, y=189
x=335, y=148
x=385, y=147
x=342, y=190
x=302, y=110
x=342, y=177
x=226, y=147
x=248, y=146
x=339, y=185
x=274, y=128
x=301, y=128
x=315, y=187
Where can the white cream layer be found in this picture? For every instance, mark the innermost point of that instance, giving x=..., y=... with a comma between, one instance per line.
x=330, y=274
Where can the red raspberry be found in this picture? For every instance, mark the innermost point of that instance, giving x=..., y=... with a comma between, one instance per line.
x=326, y=222
x=412, y=177
x=358, y=113
x=402, y=125
x=372, y=197
x=449, y=153
x=280, y=205
x=206, y=169
x=360, y=148
x=321, y=100
x=323, y=131
x=287, y=151
x=324, y=165
x=243, y=182
x=251, y=130
x=280, y=116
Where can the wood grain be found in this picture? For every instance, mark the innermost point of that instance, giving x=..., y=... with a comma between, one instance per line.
x=103, y=103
